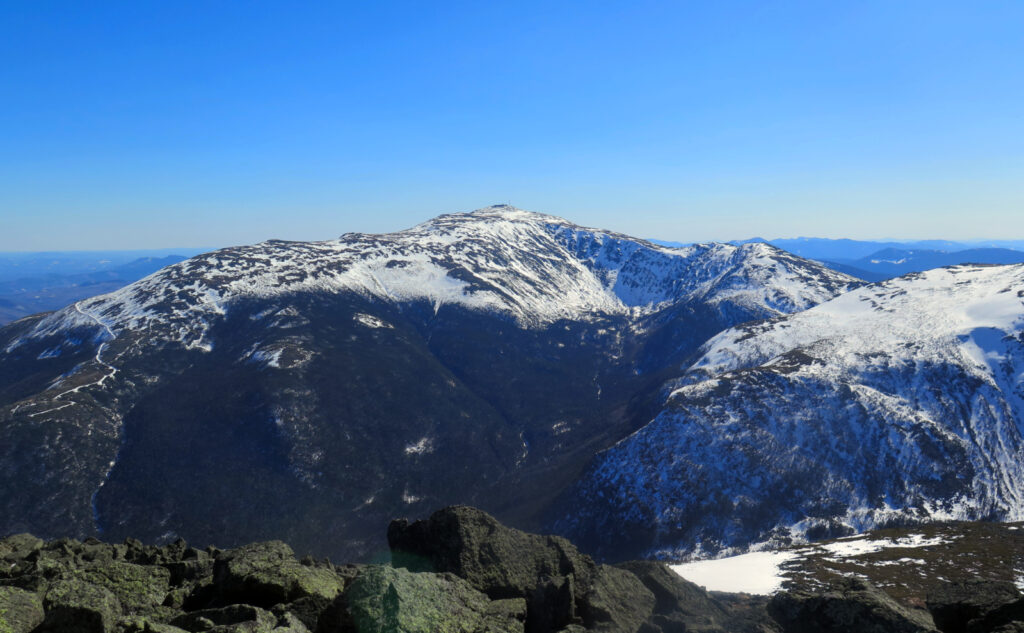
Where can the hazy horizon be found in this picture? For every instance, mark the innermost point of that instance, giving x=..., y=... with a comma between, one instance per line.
x=178, y=250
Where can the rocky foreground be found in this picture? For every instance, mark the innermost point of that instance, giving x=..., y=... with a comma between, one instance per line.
x=460, y=571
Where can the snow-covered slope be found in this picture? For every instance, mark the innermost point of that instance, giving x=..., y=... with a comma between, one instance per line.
x=535, y=268
x=900, y=401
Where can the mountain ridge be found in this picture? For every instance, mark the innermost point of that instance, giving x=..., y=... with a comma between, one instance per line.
x=472, y=359
x=895, y=402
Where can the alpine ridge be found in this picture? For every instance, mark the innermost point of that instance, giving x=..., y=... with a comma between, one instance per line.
x=899, y=402
x=309, y=391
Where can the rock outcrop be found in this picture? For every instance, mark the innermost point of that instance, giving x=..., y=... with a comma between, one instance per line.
x=459, y=571
x=561, y=587
x=955, y=605
x=849, y=605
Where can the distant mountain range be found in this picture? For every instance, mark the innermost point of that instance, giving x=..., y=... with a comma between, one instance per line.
x=893, y=262
x=38, y=282
x=878, y=261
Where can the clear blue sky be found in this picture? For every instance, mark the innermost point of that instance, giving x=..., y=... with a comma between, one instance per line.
x=149, y=124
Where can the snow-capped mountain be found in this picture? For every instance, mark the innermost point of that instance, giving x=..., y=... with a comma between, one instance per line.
x=897, y=402
x=312, y=391
x=535, y=268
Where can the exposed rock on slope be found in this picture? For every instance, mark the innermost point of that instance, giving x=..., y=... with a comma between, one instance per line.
x=98, y=588
x=897, y=402
x=477, y=358
x=446, y=578
x=849, y=605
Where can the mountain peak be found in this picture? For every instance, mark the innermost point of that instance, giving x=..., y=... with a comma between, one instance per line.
x=534, y=268
x=504, y=212
x=479, y=355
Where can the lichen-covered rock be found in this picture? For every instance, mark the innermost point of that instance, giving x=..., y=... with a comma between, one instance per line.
x=499, y=561
x=954, y=604
x=288, y=623
x=560, y=585
x=849, y=605
x=194, y=565
x=144, y=625
x=73, y=605
x=552, y=605
x=680, y=605
x=233, y=618
x=673, y=593
x=19, y=546
x=20, y=610
x=617, y=602
x=139, y=589
x=511, y=609
x=306, y=610
x=265, y=574
x=388, y=600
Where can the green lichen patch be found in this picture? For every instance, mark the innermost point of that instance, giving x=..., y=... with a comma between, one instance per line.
x=267, y=573
x=75, y=606
x=384, y=600
x=140, y=589
x=20, y=610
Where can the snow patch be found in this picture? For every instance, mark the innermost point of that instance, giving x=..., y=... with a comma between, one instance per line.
x=371, y=321
x=763, y=572
x=270, y=358
x=422, y=447
x=758, y=573
x=859, y=546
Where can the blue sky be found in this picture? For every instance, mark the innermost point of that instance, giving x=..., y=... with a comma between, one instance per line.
x=152, y=124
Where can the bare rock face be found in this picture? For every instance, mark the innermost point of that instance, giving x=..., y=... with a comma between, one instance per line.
x=849, y=605
x=384, y=599
x=267, y=574
x=20, y=611
x=561, y=587
x=500, y=561
x=1008, y=618
x=954, y=605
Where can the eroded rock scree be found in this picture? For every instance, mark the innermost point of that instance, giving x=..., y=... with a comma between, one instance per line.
x=460, y=571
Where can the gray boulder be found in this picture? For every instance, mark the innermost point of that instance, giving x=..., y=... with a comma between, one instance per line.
x=73, y=605
x=265, y=574
x=954, y=604
x=848, y=605
x=20, y=610
x=387, y=600
x=561, y=586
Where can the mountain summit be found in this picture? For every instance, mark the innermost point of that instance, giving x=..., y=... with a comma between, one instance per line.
x=533, y=268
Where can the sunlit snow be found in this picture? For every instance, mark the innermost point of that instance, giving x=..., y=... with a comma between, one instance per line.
x=755, y=573
x=763, y=572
